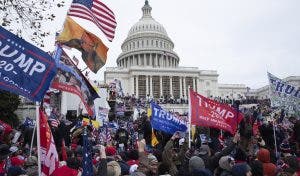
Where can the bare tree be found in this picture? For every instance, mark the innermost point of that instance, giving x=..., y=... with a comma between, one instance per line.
x=26, y=18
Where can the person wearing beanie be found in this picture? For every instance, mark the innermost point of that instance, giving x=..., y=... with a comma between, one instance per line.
x=269, y=168
x=225, y=165
x=241, y=169
x=196, y=163
x=110, y=151
x=31, y=166
x=113, y=169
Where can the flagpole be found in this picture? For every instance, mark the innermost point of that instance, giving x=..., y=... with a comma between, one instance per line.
x=38, y=135
x=32, y=138
x=275, y=142
x=189, y=123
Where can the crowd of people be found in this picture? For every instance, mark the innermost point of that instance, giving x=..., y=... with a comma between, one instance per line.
x=127, y=146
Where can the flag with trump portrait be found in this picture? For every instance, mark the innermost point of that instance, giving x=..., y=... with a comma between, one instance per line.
x=93, y=51
x=70, y=79
x=210, y=113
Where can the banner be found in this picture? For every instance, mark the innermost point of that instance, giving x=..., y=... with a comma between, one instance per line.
x=210, y=113
x=94, y=52
x=116, y=86
x=284, y=95
x=165, y=121
x=102, y=115
x=49, y=156
x=70, y=79
x=24, y=69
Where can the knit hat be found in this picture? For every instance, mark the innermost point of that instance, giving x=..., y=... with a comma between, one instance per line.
x=196, y=163
x=240, y=169
x=31, y=161
x=110, y=151
x=263, y=155
x=225, y=162
x=152, y=158
x=16, y=161
x=113, y=169
x=269, y=169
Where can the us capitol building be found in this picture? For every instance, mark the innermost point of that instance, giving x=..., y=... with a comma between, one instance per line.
x=148, y=66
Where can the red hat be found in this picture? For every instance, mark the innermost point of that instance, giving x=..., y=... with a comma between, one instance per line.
x=132, y=162
x=65, y=170
x=73, y=146
x=16, y=161
x=110, y=151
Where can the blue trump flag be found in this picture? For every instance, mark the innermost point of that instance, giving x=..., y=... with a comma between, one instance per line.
x=24, y=69
x=165, y=121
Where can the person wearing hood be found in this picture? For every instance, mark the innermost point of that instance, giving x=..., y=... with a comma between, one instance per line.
x=225, y=166
x=197, y=167
x=269, y=168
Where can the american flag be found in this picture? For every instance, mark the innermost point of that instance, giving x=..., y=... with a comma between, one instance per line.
x=96, y=12
x=46, y=100
x=54, y=122
x=87, y=157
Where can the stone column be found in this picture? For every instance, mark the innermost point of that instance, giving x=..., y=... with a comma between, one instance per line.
x=139, y=59
x=147, y=86
x=161, y=86
x=180, y=86
x=137, y=86
x=150, y=60
x=145, y=60
x=194, y=84
x=151, y=87
x=184, y=87
x=132, y=83
x=171, y=86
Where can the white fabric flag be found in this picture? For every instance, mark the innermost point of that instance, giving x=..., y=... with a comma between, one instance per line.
x=284, y=95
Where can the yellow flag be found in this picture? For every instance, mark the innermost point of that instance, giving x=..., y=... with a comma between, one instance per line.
x=154, y=140
x=95, y=123
x=149, y=112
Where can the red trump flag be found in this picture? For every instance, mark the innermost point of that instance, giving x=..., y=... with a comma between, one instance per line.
x=210, y=113
x=49, y=156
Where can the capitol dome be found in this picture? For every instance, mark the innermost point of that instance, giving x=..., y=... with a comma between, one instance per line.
x=147, y=44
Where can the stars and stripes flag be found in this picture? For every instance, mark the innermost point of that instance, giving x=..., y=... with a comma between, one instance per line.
x=96, y=12
x=87, y=164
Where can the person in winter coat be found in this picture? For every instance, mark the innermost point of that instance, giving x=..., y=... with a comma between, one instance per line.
x=269, y=168
x=212, y=161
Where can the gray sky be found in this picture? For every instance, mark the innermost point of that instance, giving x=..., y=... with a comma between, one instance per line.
x=241, y=39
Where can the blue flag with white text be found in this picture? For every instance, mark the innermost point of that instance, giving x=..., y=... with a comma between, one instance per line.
x=24, y=69
x=163, y=120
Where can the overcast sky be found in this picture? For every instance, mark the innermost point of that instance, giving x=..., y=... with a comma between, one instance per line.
x=241, y=39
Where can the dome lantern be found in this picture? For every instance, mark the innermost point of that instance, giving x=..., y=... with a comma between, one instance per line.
x=146, y=10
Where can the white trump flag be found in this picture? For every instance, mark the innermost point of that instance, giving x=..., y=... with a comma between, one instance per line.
x=284, y=95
